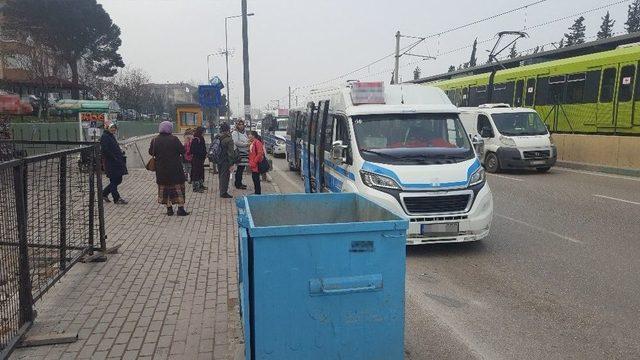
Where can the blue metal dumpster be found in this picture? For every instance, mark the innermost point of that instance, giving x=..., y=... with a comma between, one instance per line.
x=321, y=277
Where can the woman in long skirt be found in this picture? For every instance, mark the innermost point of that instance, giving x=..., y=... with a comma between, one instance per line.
x=168, y=152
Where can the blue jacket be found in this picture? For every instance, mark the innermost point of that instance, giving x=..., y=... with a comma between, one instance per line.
x=115, y=164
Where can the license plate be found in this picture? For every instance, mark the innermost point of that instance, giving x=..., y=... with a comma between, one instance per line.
x=539, y=162
x=439, y=229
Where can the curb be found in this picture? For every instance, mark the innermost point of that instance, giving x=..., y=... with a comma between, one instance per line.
x=599, y=168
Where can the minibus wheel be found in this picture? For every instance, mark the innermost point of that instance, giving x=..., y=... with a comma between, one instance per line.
x=491, y=163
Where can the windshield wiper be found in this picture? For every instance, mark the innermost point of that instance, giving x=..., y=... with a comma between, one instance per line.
x=379, y=154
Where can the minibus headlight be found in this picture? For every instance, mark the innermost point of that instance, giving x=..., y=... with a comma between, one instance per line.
x=477, y=177
x=508, y=142
x=375, y=180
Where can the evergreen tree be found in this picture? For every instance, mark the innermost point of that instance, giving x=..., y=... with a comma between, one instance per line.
x=474, y=59
x=452, y=68
x=576, y=32
x=561, y=43
x=513, y=53
x=633, y=17
x=606, y=29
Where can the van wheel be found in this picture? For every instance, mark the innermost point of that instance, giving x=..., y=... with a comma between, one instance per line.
x=543, y=169
x=491, y=163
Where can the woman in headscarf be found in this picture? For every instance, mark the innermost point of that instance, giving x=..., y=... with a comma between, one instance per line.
x=168, y=152
x=199, y=153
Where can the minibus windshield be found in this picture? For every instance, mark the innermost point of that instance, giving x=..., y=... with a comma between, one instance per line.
x=412, y=138
x=519, y=124
x=282, y=124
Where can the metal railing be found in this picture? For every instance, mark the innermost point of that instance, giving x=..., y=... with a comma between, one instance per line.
x=51, y=216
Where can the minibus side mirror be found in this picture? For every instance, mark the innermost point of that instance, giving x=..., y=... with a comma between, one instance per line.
x=486, y=132
x=478, y=144
x=337, y=151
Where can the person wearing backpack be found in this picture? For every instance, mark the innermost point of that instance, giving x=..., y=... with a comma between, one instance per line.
x=256, y=157
x=224, y=153
x=199, y=153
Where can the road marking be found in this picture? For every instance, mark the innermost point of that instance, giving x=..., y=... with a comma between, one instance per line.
x=597, y=174
x=576, y=241
x=507, y=177
x=616, y=199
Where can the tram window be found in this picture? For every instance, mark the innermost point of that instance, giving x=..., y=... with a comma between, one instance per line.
x=608, y=84
x=518, y=97
x=542, y=89
x=478, y=95
x=591, y=87
x=575, y=88
x=531, y=89
x=627, y=74
x=557, y=86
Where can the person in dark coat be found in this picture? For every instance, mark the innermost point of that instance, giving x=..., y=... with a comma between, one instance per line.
x=115, y=164
x=168, y=152
x=227, y=161
x=199, y=153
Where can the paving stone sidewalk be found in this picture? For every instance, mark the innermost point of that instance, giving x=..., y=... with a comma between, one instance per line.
x=170, y=293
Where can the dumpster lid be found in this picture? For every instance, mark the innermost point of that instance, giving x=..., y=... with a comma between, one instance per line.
x=295, y=214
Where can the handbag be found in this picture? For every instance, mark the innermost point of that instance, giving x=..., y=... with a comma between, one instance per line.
x=263, y=166
x=151, y=164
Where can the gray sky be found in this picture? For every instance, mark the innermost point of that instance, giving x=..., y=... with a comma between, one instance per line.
x=303, y=42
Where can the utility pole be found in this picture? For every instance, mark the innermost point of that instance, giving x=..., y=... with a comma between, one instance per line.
x=245, y=61
x=397, y=66
x=226, y=59
x=289, y=97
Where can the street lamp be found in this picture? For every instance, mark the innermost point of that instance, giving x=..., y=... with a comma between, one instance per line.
x=226, y=52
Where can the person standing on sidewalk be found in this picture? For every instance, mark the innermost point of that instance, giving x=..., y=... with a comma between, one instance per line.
x=226, y=160
x=241, y=146
x=168, y=152
x=115, y=164
x=186, y=162
x=199, y=153
x=256, y=155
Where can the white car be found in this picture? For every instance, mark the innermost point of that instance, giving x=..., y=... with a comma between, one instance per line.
x=280, y=147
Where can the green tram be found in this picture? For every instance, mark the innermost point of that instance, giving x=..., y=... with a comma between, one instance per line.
x=591, y=94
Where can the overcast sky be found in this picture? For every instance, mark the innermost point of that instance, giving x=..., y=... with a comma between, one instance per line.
x=301, y=42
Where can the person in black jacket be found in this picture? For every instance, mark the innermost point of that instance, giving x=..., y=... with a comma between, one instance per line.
x=115, y=164
x=198, y=150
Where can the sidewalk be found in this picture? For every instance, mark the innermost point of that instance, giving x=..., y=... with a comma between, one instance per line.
x=171, y=292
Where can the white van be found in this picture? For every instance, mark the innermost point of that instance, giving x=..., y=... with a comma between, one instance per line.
x=514, y=138
x=402, y=146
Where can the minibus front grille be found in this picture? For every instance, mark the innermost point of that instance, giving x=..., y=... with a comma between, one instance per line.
x=536, y=154
x=437, y=204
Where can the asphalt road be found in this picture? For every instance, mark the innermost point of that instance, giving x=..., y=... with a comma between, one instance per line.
x=558, y=277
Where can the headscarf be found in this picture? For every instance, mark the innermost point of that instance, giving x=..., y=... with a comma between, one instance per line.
x=166, y=127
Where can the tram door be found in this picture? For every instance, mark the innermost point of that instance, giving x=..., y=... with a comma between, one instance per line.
x=624, y=103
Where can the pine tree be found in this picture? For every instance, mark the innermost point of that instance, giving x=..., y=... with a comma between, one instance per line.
x=561, y=43
x=576, y=32
x=606, y=29
x=513, y=53
x=452, y=68
x=633, y=17
x=474, y=59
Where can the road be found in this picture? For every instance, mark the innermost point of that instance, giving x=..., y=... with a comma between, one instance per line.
x=558, y=277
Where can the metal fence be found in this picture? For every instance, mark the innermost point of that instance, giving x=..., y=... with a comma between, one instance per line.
x=51, y=216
